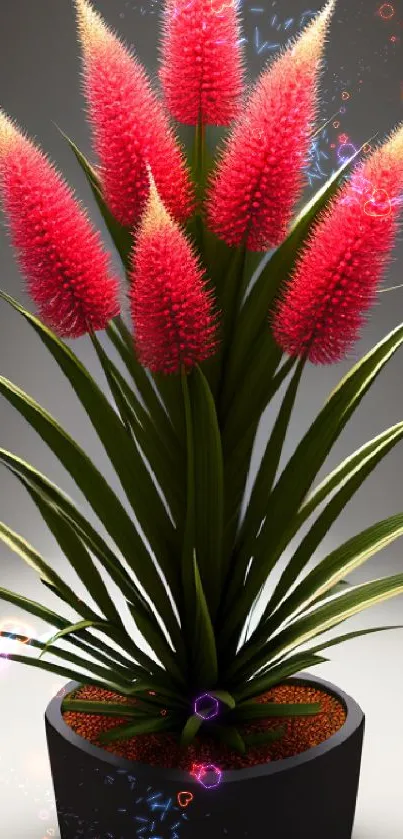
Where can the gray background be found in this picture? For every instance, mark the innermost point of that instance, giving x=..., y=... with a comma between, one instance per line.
x=39, y=86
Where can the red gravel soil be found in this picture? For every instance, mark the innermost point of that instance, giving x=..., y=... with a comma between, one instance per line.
x=301, y=733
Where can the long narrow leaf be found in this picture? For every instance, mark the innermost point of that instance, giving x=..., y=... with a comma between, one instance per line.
x=343, y=560
x=275, y=675
x=97, y=491
x=166, y=469
x=268, y=468
x=323, y=618
x=205, y=654
x=61, y=511
x=237, y=453
x=31, y=556
x=209, y=489
x=265, y=710
x=121, y=236
x=74, y=628
x=54, y=619
x=146, y=726
x=114, y=673
x=350, y=474
x=308, y=457
x=123, y=454
x=82, y=678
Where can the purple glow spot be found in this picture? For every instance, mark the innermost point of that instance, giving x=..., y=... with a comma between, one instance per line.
x=209, y=712
x=210, y=769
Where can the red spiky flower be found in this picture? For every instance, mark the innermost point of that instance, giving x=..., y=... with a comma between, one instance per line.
x=58, y=249
x=171, y=307
x=260, y=174
x=336, y=277
x=130, y=126
x=202, y=63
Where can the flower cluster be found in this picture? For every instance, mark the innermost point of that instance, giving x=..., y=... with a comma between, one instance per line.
x=250, y=197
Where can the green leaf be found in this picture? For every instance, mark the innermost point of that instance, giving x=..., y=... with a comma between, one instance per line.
x=237, y=448
x=224, y=697
x=42, y=612
x=162, y=461
x=68, y=630
x=146, y=726
x=120, y=235
x=336, y=565
x=277, y=673
x=208, y=487
x=190, y=730
x=265, y=710
x=123, y=341
x=169, y=388
x=114, y=673
x=262, y=487
x=80, y=560
x=59, y=508
x=350, y=474
x=264, y=737
x=205, y=653
x=124, y=456
x=82, y=678
x=325, y=617
x=159, y=644
x=349, y=635
x=188, y=605
x=93, y=485
x=163, y=696
x=230, y=736
x=303, y=466
x=112, y=709
x=28, y=553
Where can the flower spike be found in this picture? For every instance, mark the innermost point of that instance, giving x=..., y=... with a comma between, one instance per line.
x=130, y=126
x=59, y=251
x=202, y=65
x=260, y=174
x=336, y=277
x=171, y=308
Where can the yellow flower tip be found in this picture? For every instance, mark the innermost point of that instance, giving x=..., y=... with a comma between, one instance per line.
x=91, y=27
x=8, y=132
x=309, y=44
x=155, y=214
x=395, y=142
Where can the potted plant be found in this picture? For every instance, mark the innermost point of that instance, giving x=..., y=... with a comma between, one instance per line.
x=209, y=727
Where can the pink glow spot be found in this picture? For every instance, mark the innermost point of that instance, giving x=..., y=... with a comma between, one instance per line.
x=386, y=11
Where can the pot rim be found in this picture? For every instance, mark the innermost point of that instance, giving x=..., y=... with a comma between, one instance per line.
x=355, y=717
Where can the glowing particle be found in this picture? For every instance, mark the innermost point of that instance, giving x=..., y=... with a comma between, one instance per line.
x=214, y=774
x=336, y=124
x=209, y=712
x=185, y=798
x=379, y=205
x=367, y=148
x=345, y=95
x=343, y=139
x=346, y=151
x=386, y=11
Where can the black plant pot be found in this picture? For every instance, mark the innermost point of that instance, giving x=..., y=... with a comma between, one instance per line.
x=310, y=796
